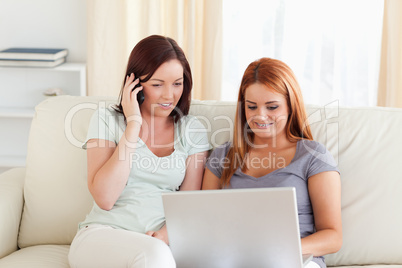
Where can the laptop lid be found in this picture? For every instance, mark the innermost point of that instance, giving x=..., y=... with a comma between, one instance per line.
x=234, y=228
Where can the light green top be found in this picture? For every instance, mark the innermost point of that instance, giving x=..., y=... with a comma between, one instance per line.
x=139, y=207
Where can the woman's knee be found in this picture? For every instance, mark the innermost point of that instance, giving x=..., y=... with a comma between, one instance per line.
x=158, y=254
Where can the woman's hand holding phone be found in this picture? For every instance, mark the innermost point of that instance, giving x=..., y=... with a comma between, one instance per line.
x=131, y=107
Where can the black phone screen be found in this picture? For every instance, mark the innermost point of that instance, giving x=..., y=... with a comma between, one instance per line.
x=140, y=95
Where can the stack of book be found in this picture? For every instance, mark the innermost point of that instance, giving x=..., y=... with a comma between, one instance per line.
x=33, y=57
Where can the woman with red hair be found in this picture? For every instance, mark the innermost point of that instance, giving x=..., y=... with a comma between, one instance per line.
x=273, y=147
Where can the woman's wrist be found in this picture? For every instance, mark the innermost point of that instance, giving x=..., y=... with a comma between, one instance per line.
x=134, y=120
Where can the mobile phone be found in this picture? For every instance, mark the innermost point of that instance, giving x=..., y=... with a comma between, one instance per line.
x=140, y=94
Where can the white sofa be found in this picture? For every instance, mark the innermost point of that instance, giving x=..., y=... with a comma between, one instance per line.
x=40, y=205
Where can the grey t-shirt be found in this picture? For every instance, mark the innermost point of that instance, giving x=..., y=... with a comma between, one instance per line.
x=310, y=159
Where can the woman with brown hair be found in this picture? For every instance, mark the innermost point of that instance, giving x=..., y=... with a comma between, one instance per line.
x=273, y=147
x=135, y=152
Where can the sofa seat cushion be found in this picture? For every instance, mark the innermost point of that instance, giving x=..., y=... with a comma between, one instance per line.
x=43, y=256
x=369, y=266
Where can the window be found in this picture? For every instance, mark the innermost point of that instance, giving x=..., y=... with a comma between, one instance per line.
x=333, y=46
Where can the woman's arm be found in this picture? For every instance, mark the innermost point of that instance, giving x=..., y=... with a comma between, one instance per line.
x=109, y=166
x=325, y=195
x=195, y=165
x=210, y=181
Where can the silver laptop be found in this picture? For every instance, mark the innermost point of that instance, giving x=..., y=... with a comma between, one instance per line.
x=234, y=228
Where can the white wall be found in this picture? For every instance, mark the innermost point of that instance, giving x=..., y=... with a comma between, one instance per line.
x=36, y=23
x=45, y=23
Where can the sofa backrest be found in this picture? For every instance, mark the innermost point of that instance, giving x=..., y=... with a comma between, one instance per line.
x=55, y=192
x=364, y=141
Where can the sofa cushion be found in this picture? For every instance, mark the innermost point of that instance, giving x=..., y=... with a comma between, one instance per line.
x=56, y=193
x=45, y=256
x=217, y=117
x=366, y=144
x=369, y=266
x=11, y=204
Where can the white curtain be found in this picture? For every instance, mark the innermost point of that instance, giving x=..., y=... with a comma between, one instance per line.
x=333, y=46
x=106, y=47
x=390, y=84
x=114, y=27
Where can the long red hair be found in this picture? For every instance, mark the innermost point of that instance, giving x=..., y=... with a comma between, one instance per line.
x=276, y=75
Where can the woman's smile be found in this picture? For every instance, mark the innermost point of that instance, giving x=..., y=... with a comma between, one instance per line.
x=165, y=106
x=263, y=125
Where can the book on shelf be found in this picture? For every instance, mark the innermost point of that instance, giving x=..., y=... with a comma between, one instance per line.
x=20, y=53
x=32, y=63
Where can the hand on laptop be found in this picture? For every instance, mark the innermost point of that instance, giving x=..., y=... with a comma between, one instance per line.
x=161, y=234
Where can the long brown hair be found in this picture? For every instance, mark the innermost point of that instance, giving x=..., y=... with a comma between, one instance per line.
x=278, y=76
x=146, y=57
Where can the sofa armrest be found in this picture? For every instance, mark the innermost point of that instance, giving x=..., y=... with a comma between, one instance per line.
x=11, y=205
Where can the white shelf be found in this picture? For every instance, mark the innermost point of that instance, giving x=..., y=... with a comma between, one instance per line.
x=70, y=66
x=32, y=77
x=67, y=66
x=21, y=89
x=17, y=112
x=10, y=161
